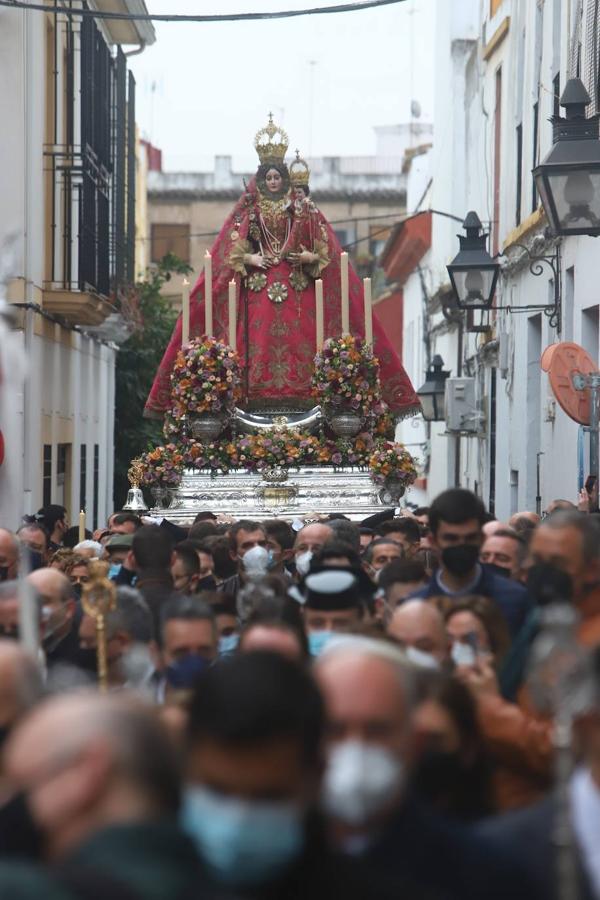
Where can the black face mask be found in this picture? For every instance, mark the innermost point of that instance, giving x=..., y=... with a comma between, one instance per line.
x=460, y=560
x=207, y=583
x=20, y=835
x=499, y=570
x=547, y=584
x=436, y=773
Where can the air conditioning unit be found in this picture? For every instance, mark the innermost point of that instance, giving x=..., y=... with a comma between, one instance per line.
x=462, y=414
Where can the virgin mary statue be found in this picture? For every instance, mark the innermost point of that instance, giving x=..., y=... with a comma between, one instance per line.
x=274, y=244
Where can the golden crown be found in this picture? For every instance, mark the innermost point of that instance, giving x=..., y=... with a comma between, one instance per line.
x=270, y=150
x=299, y=171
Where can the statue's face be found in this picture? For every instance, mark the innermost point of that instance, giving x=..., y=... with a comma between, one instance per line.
x=299, y=193
x=274, y=181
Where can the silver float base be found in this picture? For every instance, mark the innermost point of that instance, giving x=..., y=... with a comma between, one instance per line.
x=310, y=489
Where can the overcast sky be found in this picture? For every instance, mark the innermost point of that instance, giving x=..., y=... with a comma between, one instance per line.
x=205, y=89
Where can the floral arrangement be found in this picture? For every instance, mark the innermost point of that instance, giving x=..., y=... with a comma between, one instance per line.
x=206, y=378
x=347, y=375
x=163, y=465
x=391, y=460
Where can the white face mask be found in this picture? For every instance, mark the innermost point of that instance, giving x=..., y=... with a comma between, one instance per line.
x=421, y=658
x=303, y=561
x=360, y=781
x=256, y=561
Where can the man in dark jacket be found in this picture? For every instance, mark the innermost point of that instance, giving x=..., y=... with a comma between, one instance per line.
x=253, y=775
x=373, y=815
x=456, y=520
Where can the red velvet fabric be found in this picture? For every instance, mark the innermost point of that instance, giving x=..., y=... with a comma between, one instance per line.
x=277, y=341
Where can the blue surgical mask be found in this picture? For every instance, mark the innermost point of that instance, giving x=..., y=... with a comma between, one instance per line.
x=228, y=643
x=318, y=640
x=114, y=569
x=184, y=673
x=242, y=842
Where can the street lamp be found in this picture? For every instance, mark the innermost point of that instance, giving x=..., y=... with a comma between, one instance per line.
x=433, y=392
x=568, y=180
x=473, y=272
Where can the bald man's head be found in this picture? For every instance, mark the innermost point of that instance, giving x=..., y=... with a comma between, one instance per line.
x=86, y=762
x=418, y=624
x=9, y=555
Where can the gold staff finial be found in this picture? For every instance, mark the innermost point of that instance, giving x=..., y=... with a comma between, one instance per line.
x=98, y=599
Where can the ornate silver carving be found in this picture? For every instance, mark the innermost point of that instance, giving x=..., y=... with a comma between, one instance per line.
x=207, y=427
x=345, y=423
x=310, y=489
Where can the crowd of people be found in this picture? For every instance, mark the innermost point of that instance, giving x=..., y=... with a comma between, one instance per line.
x=303, y=710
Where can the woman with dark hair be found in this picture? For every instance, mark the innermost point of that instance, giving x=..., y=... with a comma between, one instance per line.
x=453, y=771
x=476, y=621
x=274, y=245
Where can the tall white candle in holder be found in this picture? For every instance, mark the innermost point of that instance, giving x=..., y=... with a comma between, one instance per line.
x=345, y=295
x=368, y=312
x=185, y=313
x=208, y=295
x=232, y=315
x=319, y=315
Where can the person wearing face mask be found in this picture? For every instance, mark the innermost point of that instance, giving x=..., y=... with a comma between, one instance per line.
x=456, y=521
x=130, y=642
x=507, y=552
x=253, y=764
x=419, y=627
x=369, y=692
x=309, y=540
x=565, y=552
x=188, y=643
x=61, y=617
x=332, y=604
x=246, y=536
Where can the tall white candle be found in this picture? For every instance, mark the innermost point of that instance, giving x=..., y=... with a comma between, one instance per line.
x=208, y=297
x=368, y=312
x=185, y=313
x=82, y=525
x=320, y=323
x=232, y=315
x=345, y=296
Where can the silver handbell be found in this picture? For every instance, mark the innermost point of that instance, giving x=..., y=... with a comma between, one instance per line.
x=135, y=500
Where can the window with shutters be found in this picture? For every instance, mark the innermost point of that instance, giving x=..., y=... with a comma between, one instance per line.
x=590, y=41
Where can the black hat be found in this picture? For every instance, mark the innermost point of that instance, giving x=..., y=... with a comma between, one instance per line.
x=331, y=589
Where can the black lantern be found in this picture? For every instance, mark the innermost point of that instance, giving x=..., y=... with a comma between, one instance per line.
x=433, y=392
x=568, y=180
x=473, y=272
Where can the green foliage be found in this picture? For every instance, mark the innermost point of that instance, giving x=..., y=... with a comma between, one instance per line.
x=137, y=362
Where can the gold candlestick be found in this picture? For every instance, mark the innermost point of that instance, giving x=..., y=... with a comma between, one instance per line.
x=98, y=598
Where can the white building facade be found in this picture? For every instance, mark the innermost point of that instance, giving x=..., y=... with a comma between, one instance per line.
x=67, y=233
x=501, y=66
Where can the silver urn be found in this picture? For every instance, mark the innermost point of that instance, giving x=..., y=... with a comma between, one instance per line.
x=207, y=427
x=160, y=495
x=344, y=422
x=392, y=491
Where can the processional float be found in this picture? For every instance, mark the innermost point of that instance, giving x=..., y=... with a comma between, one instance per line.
x=277, y=304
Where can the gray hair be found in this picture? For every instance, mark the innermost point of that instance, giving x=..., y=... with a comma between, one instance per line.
x=132, y=616
x=346, y=531
x=90, y=545
x=586, y=525
x=189, y=608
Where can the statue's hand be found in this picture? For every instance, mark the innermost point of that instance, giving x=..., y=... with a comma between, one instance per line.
x=305, y=256
x=257, y=260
